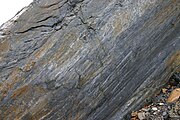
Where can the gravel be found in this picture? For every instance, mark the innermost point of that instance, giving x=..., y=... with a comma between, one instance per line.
x=160, y=108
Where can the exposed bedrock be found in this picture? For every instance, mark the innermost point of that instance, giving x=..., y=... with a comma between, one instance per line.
x=86, y=59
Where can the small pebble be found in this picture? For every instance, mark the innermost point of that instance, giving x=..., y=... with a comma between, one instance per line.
x=161, y=104
x=164, y=90
x=154, y=108
x=154, y=113
x=142, y=115
x=169, y=107
x=145, y=110
x=178, y=112
x=133, y=114
x=164, y=113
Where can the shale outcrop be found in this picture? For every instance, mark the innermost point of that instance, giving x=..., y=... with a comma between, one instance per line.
x=86, y=59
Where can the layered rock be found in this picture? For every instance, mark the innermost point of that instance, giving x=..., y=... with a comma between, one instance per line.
x=86, y=59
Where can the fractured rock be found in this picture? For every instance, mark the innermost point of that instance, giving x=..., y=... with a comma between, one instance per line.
x=86, y=59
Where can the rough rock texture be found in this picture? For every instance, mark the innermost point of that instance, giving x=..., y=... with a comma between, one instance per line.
x=86, y=59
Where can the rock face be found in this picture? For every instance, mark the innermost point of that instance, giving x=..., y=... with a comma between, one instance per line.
x=86, y=59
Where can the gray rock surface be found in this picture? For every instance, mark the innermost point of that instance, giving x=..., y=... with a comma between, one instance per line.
x=86, y=59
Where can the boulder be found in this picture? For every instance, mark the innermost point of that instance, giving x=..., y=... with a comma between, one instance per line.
x=86, y=59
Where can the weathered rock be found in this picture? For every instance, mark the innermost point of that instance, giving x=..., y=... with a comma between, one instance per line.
x=174, y=96
x=86, y=59
x=142, y=116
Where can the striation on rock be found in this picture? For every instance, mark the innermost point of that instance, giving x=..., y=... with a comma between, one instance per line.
x=86, y=59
